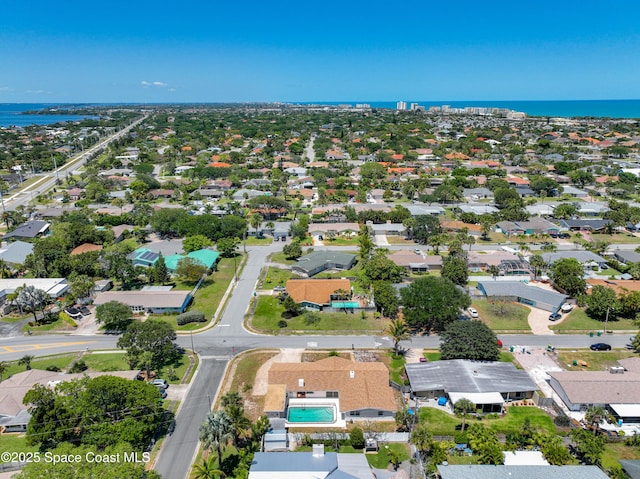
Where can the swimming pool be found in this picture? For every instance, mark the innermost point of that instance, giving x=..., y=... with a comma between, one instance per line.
x=301, y=413
x=345, y=304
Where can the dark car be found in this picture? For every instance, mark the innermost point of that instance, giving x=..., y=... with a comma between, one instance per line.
x=84, y=311
x=600, y=347
x=555, y=317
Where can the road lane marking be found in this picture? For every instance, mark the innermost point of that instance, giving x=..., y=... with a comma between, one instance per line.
x=37, y=347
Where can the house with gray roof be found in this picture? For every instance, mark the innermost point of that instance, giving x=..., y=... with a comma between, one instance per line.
x=533, y=226
x=488, y=384
x=29, y=230
x=477, y=193
x=523, y=293
x=485, y=471
x=14, y=254
x=318, y=261
x=424, y=210
x=478, y=209
x=627, y=257
x=316, y=464
x=587, y=258
x=585, y=225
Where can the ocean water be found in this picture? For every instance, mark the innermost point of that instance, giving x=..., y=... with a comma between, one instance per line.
x=10, y=115
x=555, y=108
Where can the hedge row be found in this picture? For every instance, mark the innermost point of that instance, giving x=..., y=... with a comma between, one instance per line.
x=190, y=317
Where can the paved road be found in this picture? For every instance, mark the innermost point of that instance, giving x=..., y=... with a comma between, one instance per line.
x=48, y=181
x=217, y=345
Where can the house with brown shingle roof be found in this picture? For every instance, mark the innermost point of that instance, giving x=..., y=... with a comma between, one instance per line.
x=85, y=248
x=362, y=389
x=316, y=293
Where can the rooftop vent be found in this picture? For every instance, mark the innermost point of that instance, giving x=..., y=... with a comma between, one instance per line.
x=352, y=374
x=301, y=383
x=318, y=450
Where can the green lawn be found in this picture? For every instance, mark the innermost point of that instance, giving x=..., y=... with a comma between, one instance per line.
x=61, y=362
x=577, y=320
x=595, y=360
x=253, y=241
x=617, y=238
x=340, y=241
x=607, y=272
x=501, y=316
x=269, y=311
x=442, y=424
x=208, y=296
x=395, y=239
x=617, y=451
x=381, y=459
x=279, y=257
x=106, y=362
x=396, y=368
x=277, y=277
x=15, y=443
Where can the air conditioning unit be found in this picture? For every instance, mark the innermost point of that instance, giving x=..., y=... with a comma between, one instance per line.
x=616, y=370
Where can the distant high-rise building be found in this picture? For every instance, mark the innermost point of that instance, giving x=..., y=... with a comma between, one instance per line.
x=414, y=106
x=401, y=105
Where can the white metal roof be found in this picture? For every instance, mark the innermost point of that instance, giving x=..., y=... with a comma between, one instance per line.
x=626, y=410
x=478, y=398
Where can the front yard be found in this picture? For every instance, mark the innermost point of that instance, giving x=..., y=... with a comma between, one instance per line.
x=591, y=360
x=503, y=315
x=268, y=315
x=577, y=320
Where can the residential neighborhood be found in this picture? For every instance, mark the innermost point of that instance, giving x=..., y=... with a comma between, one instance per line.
x=330, y=292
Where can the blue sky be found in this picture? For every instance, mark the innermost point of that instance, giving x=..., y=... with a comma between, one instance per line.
x=212, y=51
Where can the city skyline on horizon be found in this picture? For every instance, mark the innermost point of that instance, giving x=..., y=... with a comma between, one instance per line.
x=131, y=53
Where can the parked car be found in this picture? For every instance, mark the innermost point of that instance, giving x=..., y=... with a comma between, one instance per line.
x=160, y=383
x=566, y=307
x=473, y=313
x=279, y=288
x=417, y=251
x=85, y=311
x=163, y=393
x=600, y=347
x=555, y=317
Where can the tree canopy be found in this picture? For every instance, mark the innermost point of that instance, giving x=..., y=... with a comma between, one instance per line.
x=431, y=303
x=469, y=340
x=151, y=335
x=568, y=274
x=114, y=315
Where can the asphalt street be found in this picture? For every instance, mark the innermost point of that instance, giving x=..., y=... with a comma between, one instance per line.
x=229, y=337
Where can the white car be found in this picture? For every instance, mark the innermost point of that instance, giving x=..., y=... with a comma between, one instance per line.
x=473, y=313
x=566, y=307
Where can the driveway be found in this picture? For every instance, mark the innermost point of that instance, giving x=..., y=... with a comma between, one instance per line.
x=539, y=321
x=8, y=329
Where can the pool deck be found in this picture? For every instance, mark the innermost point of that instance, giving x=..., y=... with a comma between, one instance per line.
x=317, y=402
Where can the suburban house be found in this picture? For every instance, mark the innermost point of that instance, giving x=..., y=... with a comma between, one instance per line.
x=533, y=226
x=14, y=415
x=54, y=287
x=522, y=293
x=153, y=299
x=393, y=229
x=85, y=248
x=423, y=210
x=317, y=293
x=357, y=389
x=416, y=262
x=618, y=285
x=485, y=471
x=319, y=261
x=617, y=389
x=315, y=464
x=478, y=208
x=143, y=257
x=585, y=225
x=488, y=384
x=205, y=256
x=325, y=229
x=29, y=230
x=588, y=259
x=119, y=232
x=15, y=253
x=627, y=257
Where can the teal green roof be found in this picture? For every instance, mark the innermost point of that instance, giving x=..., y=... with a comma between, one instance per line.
x=172, y=261
x=205, y=256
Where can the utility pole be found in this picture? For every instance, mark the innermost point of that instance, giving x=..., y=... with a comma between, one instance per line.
x=606, y=320
x=192, y=348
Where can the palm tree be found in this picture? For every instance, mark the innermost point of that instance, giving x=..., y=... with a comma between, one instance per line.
x=3, y=367
x=421, y=439
x=26, y=361
x=255, y=220
x=594, y=416
x=463, y=406
x=4, y=269
x=493, y=270
x=216, y=432
x=207, y=470
x=537, y=263
x=399, y=331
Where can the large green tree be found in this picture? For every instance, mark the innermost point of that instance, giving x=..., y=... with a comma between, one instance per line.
x=385, y=298
x=455, y=269
x=568, y=274
x=114, y=315
x=469, y=340
x=381, y=268
x=195, y=242
x=151, y=335
x=190, y=269
x=602, y=303
x=431, y=303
